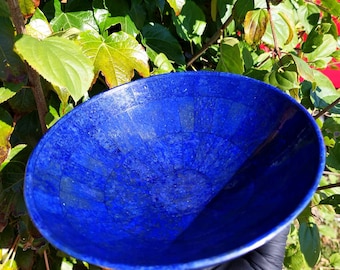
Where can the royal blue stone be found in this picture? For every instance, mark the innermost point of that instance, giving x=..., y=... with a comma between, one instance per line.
x=176, y=171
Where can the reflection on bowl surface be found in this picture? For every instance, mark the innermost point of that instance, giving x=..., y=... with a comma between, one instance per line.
x=176, y=171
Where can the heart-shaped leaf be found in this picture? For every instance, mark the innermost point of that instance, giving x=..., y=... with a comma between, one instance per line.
x=116, y=56
x=60, y=61
x=230, y=60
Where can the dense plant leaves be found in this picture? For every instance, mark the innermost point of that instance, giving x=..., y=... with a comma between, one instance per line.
x=116, y=56
x=176, y=5
x=12, y=69
x=255, y=24
x=321, y=55
x=9, y=91
x=231, y=59
x=334, y=201
x=59, y=61
x=315, y=37
x=284, y=16
x=83, y=20
x=310, y=242
x=28, y=7
x=6, y=129
x=285, y=80
x=332, y=6
x=163, y=64
x=159, y=38
x=190, y=24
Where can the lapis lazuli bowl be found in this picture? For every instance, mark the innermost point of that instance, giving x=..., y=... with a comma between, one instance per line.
x=177, y=171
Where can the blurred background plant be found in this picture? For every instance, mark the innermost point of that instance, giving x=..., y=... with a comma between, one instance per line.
x=56, y=54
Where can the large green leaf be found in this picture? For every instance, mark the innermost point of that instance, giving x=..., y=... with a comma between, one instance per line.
x=332, y=6
x=310, y=242
x=230, y=60
x=60, y=61
x=159, y=38
x=190, y=24
x=116, y=56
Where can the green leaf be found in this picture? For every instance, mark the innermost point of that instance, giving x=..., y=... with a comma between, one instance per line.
x=332, y=6
x=321, y=55
x=315, y=37
x=333, y=200
x=334, y=260
x=59, y=61
x=255, y=24
x=333, y=158
x=285, y=80
x=324, y=93
x=159, y=38
x=9, y=91
x=163, y=63
x=116, y=56
x=14, y=151
x=6, y=129
x=231, y=59
x=38, y=26
x=176, y=5
x=82, y=20
x=190, y=24
x=309, y=239
x=240, y=9
x=303, y=69
x=4, y=10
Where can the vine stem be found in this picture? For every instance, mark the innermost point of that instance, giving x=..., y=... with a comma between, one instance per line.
x=277, y=49
x=33, y=76
x=327, y=108
x=211, y=41
x=329, y=186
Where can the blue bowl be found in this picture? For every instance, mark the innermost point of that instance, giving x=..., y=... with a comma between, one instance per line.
x=176, y=171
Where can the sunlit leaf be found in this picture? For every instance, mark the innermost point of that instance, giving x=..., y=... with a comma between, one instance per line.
x=38, y=26
x=230, y=60
x=83, y=20
x=116, y=56
x=9, y=91
x=6, y=129
x=163, y=64
x=59, y=61
x=159, y=38
x=255, y=24
x=190, y=24
x=332, y=6
x=285, y=80
x=176, y=5
x=310, y=242
x=334, y=260
x=303, y=69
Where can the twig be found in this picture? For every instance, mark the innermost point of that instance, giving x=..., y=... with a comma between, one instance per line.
x=277, y=49
x=329, y=186
x=211, y=41
x=327, y=108
x=47, y=265
x=33, y=76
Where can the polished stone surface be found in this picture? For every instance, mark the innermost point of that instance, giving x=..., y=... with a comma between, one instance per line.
x=176, y=171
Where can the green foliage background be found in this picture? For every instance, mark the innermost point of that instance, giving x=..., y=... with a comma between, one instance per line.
x=72, y=50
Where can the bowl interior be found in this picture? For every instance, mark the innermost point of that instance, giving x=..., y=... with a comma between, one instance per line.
x=184, y=169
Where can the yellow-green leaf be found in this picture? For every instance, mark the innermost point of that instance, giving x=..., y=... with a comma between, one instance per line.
x=6, y=130
x=60, y=61
x=176, y=5
x=255, y=24
x=28, y=7
x=116, y=56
